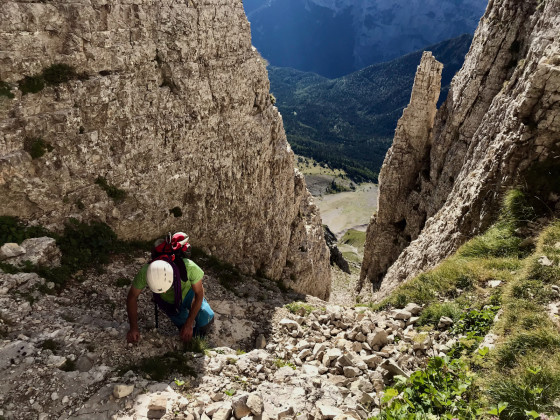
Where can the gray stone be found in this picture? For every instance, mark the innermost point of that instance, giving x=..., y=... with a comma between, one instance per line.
x=327, y=412
x=413, y=308
x=255, y=404
x=377, y=338
x=84, y=364
x=351, y=371
x=10, y=250
x=121, y=390
x=260, y=342
x=401, y=314
x=223, y=413
x=445, y=322
x=240, y=406
x=393, y=369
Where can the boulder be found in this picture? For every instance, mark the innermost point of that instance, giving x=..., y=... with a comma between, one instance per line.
x=10, y=250
x=39, y=251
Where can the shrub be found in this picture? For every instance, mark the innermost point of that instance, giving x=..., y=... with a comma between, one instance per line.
x=116, y=194
x=476, y=321
x=86, y=245
x=176, y=211
x=442, y=389
x=59, y=73
x=31, y=84
x=36, y=147
x=196, y=345
x=13, y=230
x=6, y=90
x=160, y=367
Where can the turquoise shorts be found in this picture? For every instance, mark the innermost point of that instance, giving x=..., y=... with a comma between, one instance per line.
x=203, y=318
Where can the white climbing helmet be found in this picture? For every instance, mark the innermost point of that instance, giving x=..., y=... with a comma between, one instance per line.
x=159, y=276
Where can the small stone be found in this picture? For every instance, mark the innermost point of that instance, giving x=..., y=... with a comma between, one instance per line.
x=286, y=412
x=445, y=322
x=377, y=338
x=10, y=250
x=394, y=369
x=121, y=390
x=255, y=404
x=351, y=371
x=289, y=324
x=239, y=406
x=544, y=261
x=494, y=283
x=327, y=412
x=401, y=314
x=260, y=342
x=54, y=396
x=413, y=308
x=157, y=407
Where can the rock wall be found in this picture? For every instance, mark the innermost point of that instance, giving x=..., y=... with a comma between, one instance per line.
x=391, y=229
x=501, y=120
x=171, y=105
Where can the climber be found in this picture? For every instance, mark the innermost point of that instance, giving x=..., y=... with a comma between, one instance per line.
x=176, y=283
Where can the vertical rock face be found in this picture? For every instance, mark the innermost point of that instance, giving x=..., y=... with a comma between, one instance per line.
x=392, y=228
x=498, y=127
x=172, y=107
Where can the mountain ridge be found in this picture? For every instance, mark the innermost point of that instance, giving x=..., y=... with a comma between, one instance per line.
x=334, y=38
x=349, y=122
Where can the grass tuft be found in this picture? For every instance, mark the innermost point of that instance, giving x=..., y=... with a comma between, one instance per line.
x=116, y=194
x=433, y=312
x=163, y=367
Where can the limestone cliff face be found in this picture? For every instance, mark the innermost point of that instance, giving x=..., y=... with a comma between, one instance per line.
x=501, y=120
x=172, y=106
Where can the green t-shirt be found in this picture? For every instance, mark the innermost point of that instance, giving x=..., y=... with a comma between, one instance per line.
x=194, y=274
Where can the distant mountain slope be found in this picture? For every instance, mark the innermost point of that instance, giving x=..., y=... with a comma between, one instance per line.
x=336, y=37
x=349, y=122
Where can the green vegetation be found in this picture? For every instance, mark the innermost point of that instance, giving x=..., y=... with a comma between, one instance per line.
x=300, y=308
x=441, y=389
x=494, y=255
x=59, y=73
x=520, y=377
x=53, y=75
x=37, y=147
x=160, y=367
x=432, y=313
x=122, y=282
x=336, y=187
x=116, y=194
x=197, y=345
x=354, y=238
x=50, y=344
x=6, y=90
x=279, y=363
x=13, y=230
x=69, y=366
x=349, y=122
x=84, y=246
x=176, y=211
x=31, y=84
